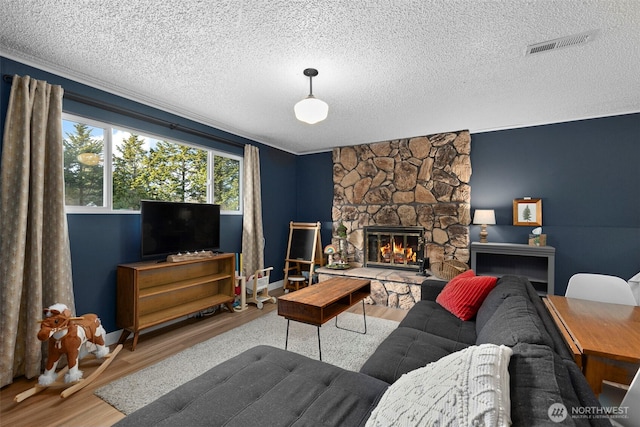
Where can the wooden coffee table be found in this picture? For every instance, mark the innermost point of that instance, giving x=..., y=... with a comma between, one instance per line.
x=604, y=338
x=317, y=304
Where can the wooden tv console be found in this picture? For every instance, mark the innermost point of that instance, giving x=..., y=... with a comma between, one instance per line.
x=151, y=293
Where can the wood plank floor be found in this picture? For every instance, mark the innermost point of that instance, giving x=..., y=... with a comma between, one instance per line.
x=84, y=409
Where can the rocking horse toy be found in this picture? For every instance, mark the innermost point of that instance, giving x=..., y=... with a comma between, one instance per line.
x=70, y=336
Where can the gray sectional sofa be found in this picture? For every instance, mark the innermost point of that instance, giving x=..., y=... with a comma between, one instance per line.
x=268, y=386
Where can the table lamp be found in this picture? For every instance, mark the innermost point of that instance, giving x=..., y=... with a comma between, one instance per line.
x=484, y=217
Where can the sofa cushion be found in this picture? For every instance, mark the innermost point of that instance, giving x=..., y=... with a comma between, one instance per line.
x=429, y=316
x=584, y=395
x=406, y=349
x=464, y=294
x=431, y=288
x=514, y=321
x=266, y=386
x=466, y=388
x=539, y=378
x=505, y=287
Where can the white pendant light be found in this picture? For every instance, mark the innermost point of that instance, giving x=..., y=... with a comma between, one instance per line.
x=311, y=110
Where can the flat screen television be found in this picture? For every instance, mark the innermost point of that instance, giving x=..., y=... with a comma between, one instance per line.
x=176, y=227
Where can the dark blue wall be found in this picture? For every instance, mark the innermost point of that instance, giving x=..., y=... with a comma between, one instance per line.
x=586, y=173
x=315, y=191
x=99, y=242
x=278, y=172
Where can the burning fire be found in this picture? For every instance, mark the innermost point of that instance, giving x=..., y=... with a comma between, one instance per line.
x=400, y=254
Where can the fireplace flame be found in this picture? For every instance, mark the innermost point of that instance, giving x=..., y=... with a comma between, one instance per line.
x=400, y=255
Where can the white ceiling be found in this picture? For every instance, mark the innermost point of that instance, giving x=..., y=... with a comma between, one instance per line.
x=388, y=68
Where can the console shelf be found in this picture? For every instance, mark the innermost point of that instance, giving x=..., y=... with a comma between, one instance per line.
x=158, y=317
x=536, y=263
x=184, y=284
x=151, y=293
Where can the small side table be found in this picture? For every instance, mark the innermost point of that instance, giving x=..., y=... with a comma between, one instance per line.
x=320, y=303
x=536, y=263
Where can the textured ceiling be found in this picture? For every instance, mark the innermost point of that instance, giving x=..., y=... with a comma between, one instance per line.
x=388, y=69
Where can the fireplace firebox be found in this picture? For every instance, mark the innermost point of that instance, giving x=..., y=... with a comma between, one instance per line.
x=395, y=247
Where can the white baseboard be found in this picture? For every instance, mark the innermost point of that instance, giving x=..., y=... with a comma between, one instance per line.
x=113, y=337
x=276, y=285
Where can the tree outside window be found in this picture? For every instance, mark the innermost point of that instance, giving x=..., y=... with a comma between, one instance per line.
x=226, y=183
x=143, y=167
x=84, y=166
x=164, y=171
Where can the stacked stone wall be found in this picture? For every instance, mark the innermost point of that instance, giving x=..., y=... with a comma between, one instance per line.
x=421, y=181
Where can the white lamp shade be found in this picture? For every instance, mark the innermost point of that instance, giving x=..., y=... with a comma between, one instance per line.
x=484, y=216
x=311, y=110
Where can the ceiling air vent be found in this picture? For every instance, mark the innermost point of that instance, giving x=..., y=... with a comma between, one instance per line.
x=560, y=43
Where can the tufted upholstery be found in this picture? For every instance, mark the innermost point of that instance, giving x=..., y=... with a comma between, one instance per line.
x=541, y=368
x=406, y=349
x=430, y=317
x=271, y=387
x=556, y=385
x=266, y=386
x=514, y=321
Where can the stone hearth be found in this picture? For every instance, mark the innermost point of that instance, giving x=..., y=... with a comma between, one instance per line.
x=391, y=288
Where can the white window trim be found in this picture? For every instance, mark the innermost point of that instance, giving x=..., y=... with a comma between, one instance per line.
x=210, y=194
x=108, y=167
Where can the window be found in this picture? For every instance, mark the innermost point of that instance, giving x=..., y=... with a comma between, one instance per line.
x=84, y=176
x=112, y=169
x=226, y=172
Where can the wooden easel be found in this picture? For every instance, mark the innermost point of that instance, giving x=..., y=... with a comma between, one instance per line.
x=304, y=250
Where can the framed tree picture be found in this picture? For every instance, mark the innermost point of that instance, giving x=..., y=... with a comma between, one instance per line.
x=527, y=211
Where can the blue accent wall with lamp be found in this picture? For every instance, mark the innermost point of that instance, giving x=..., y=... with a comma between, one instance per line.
x=585, y=172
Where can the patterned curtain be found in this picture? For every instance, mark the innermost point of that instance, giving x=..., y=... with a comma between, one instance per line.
x=35, y=259
x=252, y=231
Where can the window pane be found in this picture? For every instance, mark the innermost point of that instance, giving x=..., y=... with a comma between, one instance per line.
x=226, y=183
x=177, y=173
x=83, y=164
x=111, y=169
x=147, y=168
x=130, y=153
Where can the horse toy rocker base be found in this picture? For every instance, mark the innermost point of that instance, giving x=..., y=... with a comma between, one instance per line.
x=71, y=336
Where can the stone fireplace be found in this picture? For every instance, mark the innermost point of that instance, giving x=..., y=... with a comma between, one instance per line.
x=394, y=247
x=414, y=182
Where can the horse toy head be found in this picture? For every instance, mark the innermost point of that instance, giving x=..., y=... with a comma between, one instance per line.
x=66, y=335
x=57, y=318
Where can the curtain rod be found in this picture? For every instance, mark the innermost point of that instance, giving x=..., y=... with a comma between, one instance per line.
x=71, y=96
